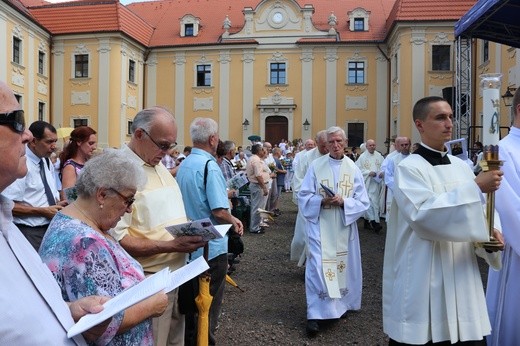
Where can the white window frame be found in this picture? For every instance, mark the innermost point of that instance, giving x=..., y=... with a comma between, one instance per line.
x=365, y=69
x=270, y=71
x=20, y=50
x=132, y=66
x=359, y=13
x=189, y=19
x=197, y=74
x=43, y=64
x=42, y=112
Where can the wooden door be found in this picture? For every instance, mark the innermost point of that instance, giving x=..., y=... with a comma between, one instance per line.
x=276, y=129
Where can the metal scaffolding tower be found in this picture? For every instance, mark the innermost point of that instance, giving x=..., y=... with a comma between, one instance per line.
x=463, y=84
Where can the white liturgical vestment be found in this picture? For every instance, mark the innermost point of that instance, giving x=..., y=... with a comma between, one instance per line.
x=333, y=277
x=432, y=289
x=503, y=287
x=368, y=163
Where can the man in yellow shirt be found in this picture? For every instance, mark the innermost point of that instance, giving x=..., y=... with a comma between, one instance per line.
x=159, y=204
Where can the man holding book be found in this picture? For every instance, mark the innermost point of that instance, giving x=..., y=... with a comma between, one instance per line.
x=331, y=198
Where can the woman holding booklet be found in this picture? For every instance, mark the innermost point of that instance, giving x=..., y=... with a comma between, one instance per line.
x=85, y=260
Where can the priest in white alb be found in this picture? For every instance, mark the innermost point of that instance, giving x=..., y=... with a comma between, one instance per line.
x=504, y=286
x=299, y=241
x=333, y=277
x=432, y=289
x=369, y=164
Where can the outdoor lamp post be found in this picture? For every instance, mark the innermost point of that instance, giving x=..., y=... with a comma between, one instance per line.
x=508, y=96
x=306, y=125
x=245, y=124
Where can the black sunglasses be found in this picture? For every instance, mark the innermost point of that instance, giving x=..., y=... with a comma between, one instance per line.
x=14, y=119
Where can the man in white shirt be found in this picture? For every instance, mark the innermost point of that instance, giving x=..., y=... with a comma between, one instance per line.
x=35, y=196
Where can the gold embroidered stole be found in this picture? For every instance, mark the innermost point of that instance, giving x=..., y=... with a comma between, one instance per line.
x=333, y=234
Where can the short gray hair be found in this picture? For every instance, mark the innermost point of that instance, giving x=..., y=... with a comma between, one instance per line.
x=202, y=128
x=111, y=169
x=321, y=136
x=335, y=129
x=228, y=145
x=144, y=118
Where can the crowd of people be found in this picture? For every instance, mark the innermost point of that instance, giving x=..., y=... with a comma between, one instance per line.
x=97, y=222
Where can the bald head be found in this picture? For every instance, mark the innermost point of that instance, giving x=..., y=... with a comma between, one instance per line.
x=309, y=144
x=403, y=145
x=370, y=146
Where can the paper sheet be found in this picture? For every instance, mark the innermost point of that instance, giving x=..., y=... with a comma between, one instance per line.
x=202, y=227
x=162, y=280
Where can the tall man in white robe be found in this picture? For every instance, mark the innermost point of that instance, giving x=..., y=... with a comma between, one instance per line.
x=333, y=277
x=403, y=148
x=503, y=286
x=369, y=164
x=386, y=195
x=299, y=241
x=432, y=289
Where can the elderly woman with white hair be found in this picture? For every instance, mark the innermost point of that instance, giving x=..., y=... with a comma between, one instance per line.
x=85, y=260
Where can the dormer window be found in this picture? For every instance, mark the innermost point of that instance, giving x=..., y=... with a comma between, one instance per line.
x=188, y=30
x=358, y=19
x=189, y=26
x=359, y=24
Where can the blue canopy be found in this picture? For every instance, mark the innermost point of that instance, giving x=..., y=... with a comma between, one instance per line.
x=492, y=20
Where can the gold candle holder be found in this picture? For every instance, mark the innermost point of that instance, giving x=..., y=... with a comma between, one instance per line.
x=490, y=162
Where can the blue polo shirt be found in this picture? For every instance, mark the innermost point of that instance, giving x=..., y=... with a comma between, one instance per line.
x=200, y=200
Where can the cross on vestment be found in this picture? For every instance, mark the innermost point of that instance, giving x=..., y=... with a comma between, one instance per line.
x=341, y=266
x=330, y=274
x=321, y=190
x=345, y=185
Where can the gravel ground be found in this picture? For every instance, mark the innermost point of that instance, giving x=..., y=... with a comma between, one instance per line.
x=272, y=308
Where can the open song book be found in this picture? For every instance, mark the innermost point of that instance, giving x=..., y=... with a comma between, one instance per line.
x=163, y=280
x=202, y=227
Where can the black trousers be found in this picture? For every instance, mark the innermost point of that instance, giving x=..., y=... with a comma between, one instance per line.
x=33, y=234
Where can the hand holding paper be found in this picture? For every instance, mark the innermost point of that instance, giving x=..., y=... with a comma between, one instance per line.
x=162, y=280
x=202, y=227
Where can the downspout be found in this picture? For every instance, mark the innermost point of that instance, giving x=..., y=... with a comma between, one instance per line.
x=145, y=58
x=388, y=98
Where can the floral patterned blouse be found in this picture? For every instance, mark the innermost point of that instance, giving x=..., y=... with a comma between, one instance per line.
x=85, y=263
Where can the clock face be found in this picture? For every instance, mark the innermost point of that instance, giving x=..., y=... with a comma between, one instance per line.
x=277, y=17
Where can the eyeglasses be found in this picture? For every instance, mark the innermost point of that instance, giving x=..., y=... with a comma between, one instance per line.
x=14, y=119
x=163, y=147
x=127, y=200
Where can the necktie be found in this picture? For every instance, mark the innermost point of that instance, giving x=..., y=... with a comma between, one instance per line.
x=48, y=192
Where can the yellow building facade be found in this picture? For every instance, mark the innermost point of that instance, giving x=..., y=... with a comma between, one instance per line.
x=280, y=69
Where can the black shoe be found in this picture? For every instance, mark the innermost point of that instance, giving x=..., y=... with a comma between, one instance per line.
x=260, y=231
x=312, y=328
x=376, y=226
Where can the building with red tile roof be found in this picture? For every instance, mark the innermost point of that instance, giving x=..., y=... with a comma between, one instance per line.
x=274, y=63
